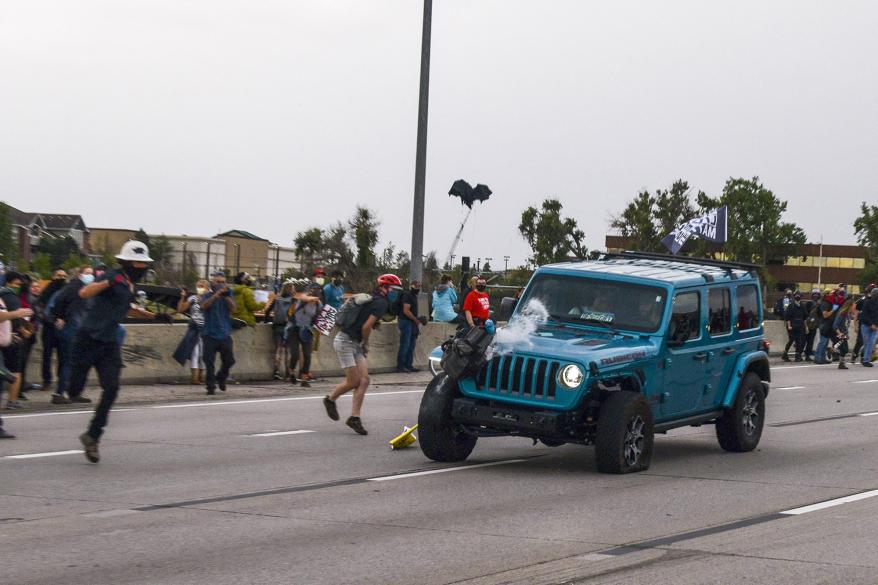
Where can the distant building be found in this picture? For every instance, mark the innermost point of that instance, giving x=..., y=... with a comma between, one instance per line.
x=818, y=266
x=195, y=254
x=245, y=252
x=110, y=240
x=30, y=229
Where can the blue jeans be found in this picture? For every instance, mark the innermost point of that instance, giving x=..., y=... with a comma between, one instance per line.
x=408, y=337
x=820, y=352
x=868, y=336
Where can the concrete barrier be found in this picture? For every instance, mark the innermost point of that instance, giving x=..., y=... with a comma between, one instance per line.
x=148, y=348
x=776, y=334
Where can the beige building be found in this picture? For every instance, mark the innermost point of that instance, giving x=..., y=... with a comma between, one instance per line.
x=245, y=252
x=109, y=239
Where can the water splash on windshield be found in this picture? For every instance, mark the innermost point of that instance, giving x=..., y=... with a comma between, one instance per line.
x=518, y=331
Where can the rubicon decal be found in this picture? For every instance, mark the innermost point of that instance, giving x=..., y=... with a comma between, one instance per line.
x=625, y=357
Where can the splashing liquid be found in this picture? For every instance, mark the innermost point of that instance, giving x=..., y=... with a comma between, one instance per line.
x=517, y=333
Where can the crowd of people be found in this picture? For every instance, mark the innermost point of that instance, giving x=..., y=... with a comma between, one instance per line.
x=831, y=313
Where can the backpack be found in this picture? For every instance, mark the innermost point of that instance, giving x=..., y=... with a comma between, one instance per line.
x=281, y=309
x=352, y=308
x=814, y=319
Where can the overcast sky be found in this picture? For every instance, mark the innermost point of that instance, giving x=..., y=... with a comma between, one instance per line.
x=272, y=116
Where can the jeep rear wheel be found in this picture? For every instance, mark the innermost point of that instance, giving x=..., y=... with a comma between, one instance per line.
x=441, y=438
x=624, y=439
x=740, y=428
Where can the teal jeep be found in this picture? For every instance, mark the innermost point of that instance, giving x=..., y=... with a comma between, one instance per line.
x=628, y=345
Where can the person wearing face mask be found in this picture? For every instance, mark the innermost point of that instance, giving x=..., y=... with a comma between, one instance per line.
x=66, y=311
x=477, y=305
x=409, y=325
x=333, y=292
x=351, y=345
x=191, y=346
x=219, y=305
x=49, y=335
x=444, y=299
x=245, y=301
x=12, y=353
x=794, y=318
x=97, y=342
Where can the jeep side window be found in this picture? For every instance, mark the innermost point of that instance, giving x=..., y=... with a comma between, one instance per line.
x=719, y=311
x=748, y=307
x=685, y=317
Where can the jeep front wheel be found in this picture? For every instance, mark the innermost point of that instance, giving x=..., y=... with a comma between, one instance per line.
x=440, y=437
x=740, y=428
x=624, y=439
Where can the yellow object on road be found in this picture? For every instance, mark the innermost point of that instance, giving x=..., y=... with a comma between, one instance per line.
x=405, y=439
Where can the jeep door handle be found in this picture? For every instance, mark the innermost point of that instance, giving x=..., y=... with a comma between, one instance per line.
x=700, y=357
x=729, y=351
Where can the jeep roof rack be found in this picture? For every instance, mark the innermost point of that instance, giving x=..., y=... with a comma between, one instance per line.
x=724, y=264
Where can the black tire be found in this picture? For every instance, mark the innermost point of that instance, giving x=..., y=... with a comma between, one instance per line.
x=740, y=428
x=440, y=437
x=624, y=439
x=552, y=442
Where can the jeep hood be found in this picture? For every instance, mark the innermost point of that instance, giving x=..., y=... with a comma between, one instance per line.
x=585, y=346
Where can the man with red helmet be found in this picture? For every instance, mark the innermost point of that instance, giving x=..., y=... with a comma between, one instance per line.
x=351, y=344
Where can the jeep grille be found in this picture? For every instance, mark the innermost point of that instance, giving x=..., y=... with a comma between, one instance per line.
x=521, y=376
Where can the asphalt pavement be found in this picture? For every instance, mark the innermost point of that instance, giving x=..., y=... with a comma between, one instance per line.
x=261, y=487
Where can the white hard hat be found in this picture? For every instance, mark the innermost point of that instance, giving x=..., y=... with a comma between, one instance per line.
x=134, y=251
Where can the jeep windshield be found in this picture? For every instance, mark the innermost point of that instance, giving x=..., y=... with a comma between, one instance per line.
x=598, y=303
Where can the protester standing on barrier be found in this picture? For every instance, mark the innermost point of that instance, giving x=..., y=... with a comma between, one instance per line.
x=218, y=306
x=357, y=320
x=97, y=341
x=67, y=311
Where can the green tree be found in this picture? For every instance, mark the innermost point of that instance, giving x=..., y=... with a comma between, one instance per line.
x=43, y=265
x=364, y=226
x=58, y=249
x=866, y=230
x=8, y=242
x=141, y=236
x=551, y=237
x=649, y=218
x=308, y=244
x=756, y=230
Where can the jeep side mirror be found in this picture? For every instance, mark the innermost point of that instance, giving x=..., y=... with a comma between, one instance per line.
x=507, y=306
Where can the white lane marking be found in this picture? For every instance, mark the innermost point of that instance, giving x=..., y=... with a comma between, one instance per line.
x=217, y=403
x=863, y=381
x=773, y=368
x=47, y=454
x=111, y=513
x=443, y=470
x=278, y=433
x=789, y=388
x=831, y=503
x=256, y=400
x=62, y=413
x=869, y=414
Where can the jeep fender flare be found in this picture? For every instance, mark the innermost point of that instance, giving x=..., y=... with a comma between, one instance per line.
x=756, y=362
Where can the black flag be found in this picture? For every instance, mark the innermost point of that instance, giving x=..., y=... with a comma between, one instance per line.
x=712, y=226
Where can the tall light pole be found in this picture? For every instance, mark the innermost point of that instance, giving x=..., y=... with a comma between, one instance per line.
x=421, y=153
x=505, y=265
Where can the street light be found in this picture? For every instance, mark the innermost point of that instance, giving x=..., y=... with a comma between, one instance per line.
x=488, y=261
x=505, y=265
x=421, y=151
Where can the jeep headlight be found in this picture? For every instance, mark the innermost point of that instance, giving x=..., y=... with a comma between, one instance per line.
x=570, y=376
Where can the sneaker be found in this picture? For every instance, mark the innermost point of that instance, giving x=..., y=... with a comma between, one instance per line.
x=277, y=375
x=80, y=399
x=808, y=358
x=305, y=384
x=331, y=410
x=867, y=364
x=5, y=435
x=221, y=384
x=355, y=423
x=91, y=447
x=23, y=397
x=34, y=387
x=60, y=399
x=211, y=391
x=842, y=366
x=14, y=405
x=785, y=357
x=413, y=370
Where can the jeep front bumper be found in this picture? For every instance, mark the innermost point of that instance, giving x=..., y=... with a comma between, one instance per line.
x=513, y=421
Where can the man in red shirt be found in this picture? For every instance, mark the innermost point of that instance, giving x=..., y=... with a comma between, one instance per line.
x=476, y=306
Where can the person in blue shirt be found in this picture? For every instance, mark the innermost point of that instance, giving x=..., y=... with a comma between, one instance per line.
x=333, y=292
x=217, y=306
x=444, y=299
